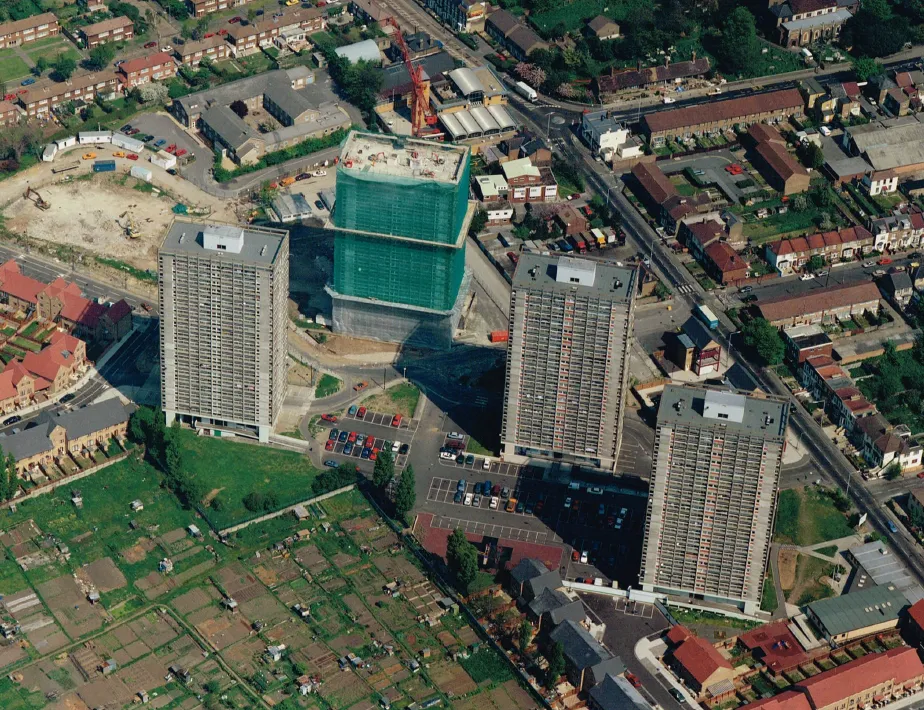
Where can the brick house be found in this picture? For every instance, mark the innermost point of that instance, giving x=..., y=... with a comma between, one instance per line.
x=586, y=661
x=154, y=67
x=882, y=443
x=60, y=363
x=514, y=36
x=116, y=29
x=215, y=48
x=773, y=161
x=17, y=32
x=826, y=305
x=9, y=114
x=17, y=387
x=199, y=8
x=528, y=183
x=788, y=256
x=698, y=664
x=571, y=221
x=46, y=95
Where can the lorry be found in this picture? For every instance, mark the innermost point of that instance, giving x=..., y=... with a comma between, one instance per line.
x=104, y=166
x=526, y=91
x=705, y=314
x=599, y=236
x=498, y=336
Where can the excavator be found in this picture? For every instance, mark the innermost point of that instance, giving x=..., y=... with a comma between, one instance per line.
x=131, y=229
x=32, y=194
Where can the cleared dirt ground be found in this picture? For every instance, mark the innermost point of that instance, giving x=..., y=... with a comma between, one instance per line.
x=88, y=214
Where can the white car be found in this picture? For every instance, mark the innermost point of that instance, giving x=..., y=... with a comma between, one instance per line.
x=567, y=503
x=807, y=277
x=493, y=503
x=396, y=447
x=595, y=490
x=869, y=264
x=486, y=464
x=468, y=498
x=455, y=435
x=584, y=558
x=446, y=455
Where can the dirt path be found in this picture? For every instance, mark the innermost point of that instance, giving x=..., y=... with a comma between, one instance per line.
x=787, y=566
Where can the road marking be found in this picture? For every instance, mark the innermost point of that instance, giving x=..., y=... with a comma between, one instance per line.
x=490, y=529
x=634, y=608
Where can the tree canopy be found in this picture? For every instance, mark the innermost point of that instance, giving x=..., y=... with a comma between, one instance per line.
x=738, y=47
x=462, y=558
x=764, y=339
x=405, y=495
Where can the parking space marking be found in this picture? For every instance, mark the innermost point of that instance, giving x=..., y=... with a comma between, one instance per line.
x=382, y=419
x=490, y=529
x=630, y=607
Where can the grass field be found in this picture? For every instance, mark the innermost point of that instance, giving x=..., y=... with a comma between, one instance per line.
x=807, y=516
x=327, y=385
x=768, y=600
x=51, y=51
x=809, y=587
x=401, y=399
x=235, y=469
x=828, y=551
x=12, y=67
x=573, y=15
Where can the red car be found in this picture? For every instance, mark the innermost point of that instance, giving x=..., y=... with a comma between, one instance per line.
x=575, y=555
x=332, y=418
x=222, y=32
x=208, y=34
x=132, y=156
x=589, y=212
x=171, y=148
x=396, y=420
x=150, y=45
x=370, y=440
x=180, y=153
x=234, y=20
x=352, y=437
x=374, y=454
x=361, y=413
x=9, y=97
x=884, y=260
x=146, y=306
x=513, y=257
x=329, y=446
x=636, y=683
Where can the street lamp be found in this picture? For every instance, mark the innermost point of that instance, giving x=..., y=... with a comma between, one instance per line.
x=611, y=187
x=548, y=123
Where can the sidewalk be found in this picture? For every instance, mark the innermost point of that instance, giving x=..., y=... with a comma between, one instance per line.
x=647, y=652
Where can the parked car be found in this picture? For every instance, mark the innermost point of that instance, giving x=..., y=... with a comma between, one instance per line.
x=330, y=463
x=745, y=289
x=361, y=412
x=457, y=498
x=150, y=45
x=343, y=436
x=332, y=418
x=469, y=459
x=126, y=128
x=750, y=298
x=493, y=504
x=319, y=204
x=334, y=434
x=567, y=503
x=27, y=82
x=302, y=176
x=455, y=435
x=396, y=420
x=807, y=277
x=468, y=498
x=12, y=420
x=395, y=447
x=347, y=449
x=67, y=398
x=232, y=21
x=868, y=264
x=584, y=557
x=352, y=410
x=329, y=445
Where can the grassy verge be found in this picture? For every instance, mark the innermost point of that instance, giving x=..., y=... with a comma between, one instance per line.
x=401, y=399
x=328, y=385
x=768, y=600
x=828, y=551
x=807, y=516
x=809, y=572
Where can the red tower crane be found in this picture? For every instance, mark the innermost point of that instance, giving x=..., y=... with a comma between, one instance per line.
x=420, y=106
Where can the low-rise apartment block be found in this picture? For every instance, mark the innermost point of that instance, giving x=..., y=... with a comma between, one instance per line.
x=830, y=383
x=718, y=116
x=609, y=85
x=248, y=39
x=154, y=67
x=805, y=341
x=788, y=256
x=660, y=197
x=825, y=306
x=200, y=8
x=17, y=32
x=515, y=37
x=697, y=662
x=116, y=29
x=528, y=183
x=214, y=48
x=773, y=161
x=883, y=444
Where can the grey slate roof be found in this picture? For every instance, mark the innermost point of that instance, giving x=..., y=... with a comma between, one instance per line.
x=584, y=651
x=616, y=693
x=549, y=580
x=28, y=442
x=528, y=569
x=228, y=125
x=899, y=281
x=80, y=422
x=291, y=102
x=558, y=606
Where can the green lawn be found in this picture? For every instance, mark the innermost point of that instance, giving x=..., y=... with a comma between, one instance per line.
x=234, y=469
x=904, y=406
x=12, y=67
x=52, y=51
x=809, y=571
x=328, y=385
x=807, y=516
x=828, y=551
x=768, y=600
x=400, y=399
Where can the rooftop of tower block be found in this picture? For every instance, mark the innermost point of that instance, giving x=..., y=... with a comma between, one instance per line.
x=238, y=243
x=400, y=157
x=710, y=406
x=564, y=274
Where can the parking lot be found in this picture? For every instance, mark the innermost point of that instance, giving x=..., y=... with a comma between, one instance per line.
x=164, y=128
x=408, y=426
x=377, y=426
x=606, y=523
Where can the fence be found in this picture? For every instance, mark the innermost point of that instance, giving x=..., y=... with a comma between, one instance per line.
x=52, y=486
x=287, y=509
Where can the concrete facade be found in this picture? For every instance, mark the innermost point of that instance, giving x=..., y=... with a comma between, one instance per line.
x=714, y=484
x=567, y=360
x=223, y=299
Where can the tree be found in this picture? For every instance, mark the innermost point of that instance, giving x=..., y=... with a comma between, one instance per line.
x=893, y=472
x=799, y=203
x=825, y=222
x=866, y=68
x=240, y=108
x=12, y=483
x=152, y=91
x=812, y=156
x=405, y=495
x=384, y=470
x=462, y=558
x=202, y=26
x=173, y=456
x=63, y=67
x=139, y=424
x=251, y=15
x=41, y=66
x=764, y=339
x=524, y=635
x=556, y=659
x=478, y=223
x=213, y=686
x=816, y=263
x=253, y=501
x=100, y=57
x=738, y=49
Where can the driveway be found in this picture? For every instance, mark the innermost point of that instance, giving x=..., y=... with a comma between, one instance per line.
x=164, y=127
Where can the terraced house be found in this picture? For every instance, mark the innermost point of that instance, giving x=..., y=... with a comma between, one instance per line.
x=199, y=8
x=13, y=34
x=214, y=48
x=154, y=67
x=116, y=29
x=461, y=15
x=46, y=95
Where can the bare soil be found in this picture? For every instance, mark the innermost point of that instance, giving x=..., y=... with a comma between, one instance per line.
x=787, y=566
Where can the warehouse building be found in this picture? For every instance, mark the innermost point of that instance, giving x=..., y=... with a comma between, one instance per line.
x=714, y=484
x=894, y=145
x=718, y=116
x=858, y=614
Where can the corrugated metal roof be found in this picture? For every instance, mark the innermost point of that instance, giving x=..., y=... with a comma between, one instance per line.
x=503, y=118
x=466, y=80
x=483, y=118
x=468, y=123
x=453, y=126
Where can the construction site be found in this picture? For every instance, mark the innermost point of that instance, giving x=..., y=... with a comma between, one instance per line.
x=112, y=215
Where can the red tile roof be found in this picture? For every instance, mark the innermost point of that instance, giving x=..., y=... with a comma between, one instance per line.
x=852, y=89
x=778, y=159
x=654, y=182
x=78, y=309
x=19, y=372
x=678, y=634
x=788, y=100
x=763, y=133
x=616, y=81
x=776, y=645
x=14, y=283
x=7, y=388
x=898, y=665
x=152, y=60
x=799, y=245
x=700, y=659
x=800, y=7
x=707, y=231
x=916, y=613
x=725, y=258
x=785, y=307
x=787, y=700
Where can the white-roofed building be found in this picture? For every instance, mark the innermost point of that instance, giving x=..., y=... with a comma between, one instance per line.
x=367, y=50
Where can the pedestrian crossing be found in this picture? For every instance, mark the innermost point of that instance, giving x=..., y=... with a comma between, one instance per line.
x=685, y=289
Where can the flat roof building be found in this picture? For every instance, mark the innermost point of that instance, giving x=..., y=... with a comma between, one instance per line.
x=401, y=213
x=713, y=494
x=567, y=359
x=223, y=302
